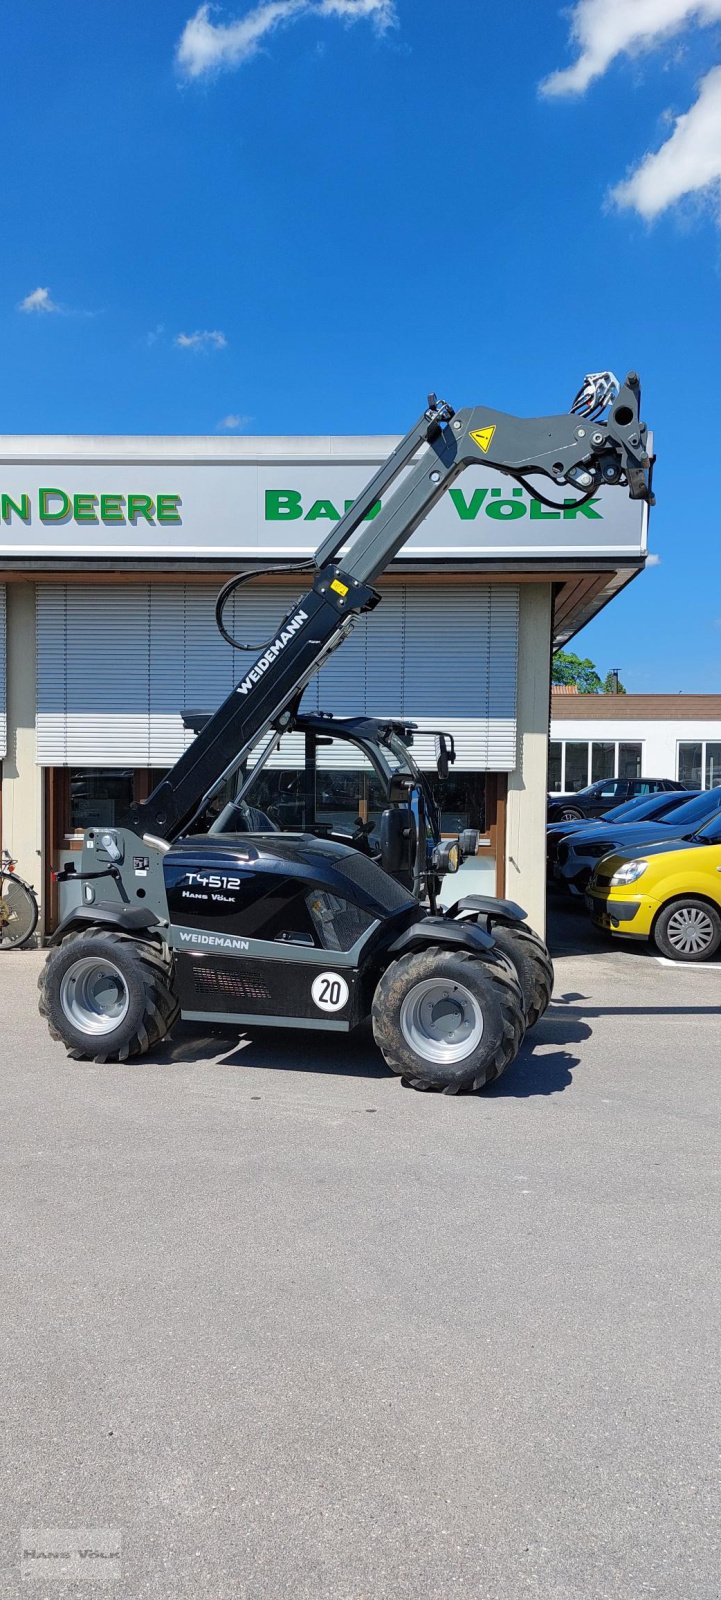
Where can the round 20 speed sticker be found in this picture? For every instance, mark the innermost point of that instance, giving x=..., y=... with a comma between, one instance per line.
x=329, y=991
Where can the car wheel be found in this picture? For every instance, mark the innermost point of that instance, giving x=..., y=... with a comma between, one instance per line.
x=570, y=814
x=688, y=930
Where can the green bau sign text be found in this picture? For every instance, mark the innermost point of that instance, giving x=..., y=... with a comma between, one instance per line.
x=56, y=505
x=286, y=505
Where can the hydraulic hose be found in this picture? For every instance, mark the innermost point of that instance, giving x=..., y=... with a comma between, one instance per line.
x=229, y=589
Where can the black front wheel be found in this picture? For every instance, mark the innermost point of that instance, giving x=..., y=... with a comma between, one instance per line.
x=107, y=996
x=18, y=913
x=447, y=1019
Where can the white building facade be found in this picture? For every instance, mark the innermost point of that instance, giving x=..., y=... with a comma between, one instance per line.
x=632, y=736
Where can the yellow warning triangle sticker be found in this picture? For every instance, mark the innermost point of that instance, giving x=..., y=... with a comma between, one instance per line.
x=483, y=437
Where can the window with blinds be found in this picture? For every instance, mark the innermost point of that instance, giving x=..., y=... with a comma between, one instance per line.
x=117, y=665
x=3, y=691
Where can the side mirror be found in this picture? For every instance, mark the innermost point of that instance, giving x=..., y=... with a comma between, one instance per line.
x=444, y=754
x=397, y=833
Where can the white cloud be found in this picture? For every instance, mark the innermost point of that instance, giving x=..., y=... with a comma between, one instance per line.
x=202, y=339
x=233, y=423
x=653, y=560
x=38, y=300
x=206, y=46
x=689, y=161
x=155, y=334
x=604, y=29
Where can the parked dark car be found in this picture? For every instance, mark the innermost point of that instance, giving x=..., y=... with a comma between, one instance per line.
x=579, y=855
x=644, y=808
x=600, y=796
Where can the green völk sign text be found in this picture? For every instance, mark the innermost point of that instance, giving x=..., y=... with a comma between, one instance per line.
x=286, y=505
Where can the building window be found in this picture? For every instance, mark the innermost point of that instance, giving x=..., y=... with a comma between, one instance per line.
x=629, y=760
x=462, y=801
x=99, y=796
x=699, y=764
x=570, y=761
x=344, y=797
x=555, y=766
x=690, y=765
x=345, y=794
x=603, y=761
x=576, y=767
x=712, y=766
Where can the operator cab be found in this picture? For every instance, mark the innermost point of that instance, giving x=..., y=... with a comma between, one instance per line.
x=351, y=780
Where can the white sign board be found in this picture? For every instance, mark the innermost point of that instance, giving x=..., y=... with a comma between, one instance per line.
x=204, y=498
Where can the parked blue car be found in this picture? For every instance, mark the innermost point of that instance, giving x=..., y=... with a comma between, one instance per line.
x=578, y=856
x=645, y=808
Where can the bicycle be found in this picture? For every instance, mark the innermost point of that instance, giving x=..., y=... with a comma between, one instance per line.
x=18, y=907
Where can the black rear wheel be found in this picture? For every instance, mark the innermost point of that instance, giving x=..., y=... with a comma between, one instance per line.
x=107, y=996
x=18, y=913
x=447, y=1019
x=532, y=961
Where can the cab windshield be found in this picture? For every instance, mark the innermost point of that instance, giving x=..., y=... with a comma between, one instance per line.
x=336, y=787
x=398, y=756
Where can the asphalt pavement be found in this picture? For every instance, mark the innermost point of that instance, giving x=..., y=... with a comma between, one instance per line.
x=276, y=1328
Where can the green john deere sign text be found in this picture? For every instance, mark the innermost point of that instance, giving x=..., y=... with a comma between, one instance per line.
x=56, y=505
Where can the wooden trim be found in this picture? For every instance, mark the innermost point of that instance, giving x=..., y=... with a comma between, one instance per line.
x=578, y=590
x=142, y=783
x=51, y=788
x=446, y=575
x=501, y=812
x=496, y=795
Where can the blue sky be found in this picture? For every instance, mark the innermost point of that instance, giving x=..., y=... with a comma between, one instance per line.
x=335, y=205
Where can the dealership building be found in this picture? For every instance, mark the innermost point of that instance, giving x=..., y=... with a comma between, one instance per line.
x=111, y=554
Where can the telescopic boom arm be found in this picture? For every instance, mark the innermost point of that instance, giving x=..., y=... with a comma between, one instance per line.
x=573, y=450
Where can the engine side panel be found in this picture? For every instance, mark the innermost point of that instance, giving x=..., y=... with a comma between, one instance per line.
x=318, y=994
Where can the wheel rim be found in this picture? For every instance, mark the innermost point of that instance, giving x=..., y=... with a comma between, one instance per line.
x=569, y=816
x=441, y=1020
x=16, y=913
x=94, y=995
x=690, y=930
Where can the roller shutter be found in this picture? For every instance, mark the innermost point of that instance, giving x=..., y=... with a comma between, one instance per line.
x=3, y=692
x=117, y=664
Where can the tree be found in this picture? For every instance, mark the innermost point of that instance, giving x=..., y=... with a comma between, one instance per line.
x=612, y=683
x=583, y=673
x=570, y=669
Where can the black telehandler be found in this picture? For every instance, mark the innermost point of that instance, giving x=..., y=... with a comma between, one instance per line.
x=246, y=924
